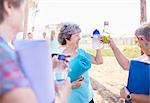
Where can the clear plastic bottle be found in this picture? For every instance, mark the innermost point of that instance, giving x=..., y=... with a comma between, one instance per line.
x=60, y=71
x=95, y=41
x=106, y=32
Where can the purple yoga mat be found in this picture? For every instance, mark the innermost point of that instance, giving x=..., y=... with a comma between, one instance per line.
x=35, y=59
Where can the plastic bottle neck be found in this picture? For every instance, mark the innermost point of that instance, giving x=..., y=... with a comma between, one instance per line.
x=106, y=29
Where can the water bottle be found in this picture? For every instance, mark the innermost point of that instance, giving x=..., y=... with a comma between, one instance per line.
x=95, y=40
x=60, y=71
x=106, y=32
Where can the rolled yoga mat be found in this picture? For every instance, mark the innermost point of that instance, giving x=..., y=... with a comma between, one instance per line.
x=36, y=64
x=78, y=65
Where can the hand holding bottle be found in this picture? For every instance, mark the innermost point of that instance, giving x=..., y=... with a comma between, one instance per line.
x=63, y=90
x=112, y=43
x=106, y=33
x=96, y=43
x=60, y=68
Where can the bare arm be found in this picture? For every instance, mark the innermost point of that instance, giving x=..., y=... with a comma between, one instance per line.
x=135, y=98
x=63, y=90
x=19, y=95
x=140, y=98
x=122, y=60
x=98, y=58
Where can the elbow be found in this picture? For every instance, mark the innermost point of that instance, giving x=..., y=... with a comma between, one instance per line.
x=126, y=66
x=99, y=62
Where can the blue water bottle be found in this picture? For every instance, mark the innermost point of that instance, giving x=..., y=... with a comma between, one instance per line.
x=95, y=40
x=60, y=71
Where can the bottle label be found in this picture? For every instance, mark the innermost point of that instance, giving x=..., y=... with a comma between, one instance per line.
x=106, y=39
x=59, y=76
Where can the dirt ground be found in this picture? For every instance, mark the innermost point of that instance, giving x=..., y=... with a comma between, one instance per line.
x=107, y=80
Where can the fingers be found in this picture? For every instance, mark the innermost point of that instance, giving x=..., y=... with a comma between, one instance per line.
x=121, y=92
x=78, y=82
x=60, y=59
x=64, y=57
x=126, y=90
x=66, y=60
x=67, y=84
x=68, y=81
x=67, y=56
x=64, y=90
x=76, y=85
x=81, y=78
x=54, y=61
x=100, y=38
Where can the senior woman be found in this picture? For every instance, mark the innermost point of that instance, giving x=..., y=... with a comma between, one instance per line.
x=69, y=37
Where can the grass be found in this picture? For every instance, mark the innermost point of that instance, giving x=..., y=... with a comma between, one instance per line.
x=129, y=51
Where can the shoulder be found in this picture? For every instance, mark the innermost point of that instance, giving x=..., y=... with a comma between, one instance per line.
x=81, y=50
x=84, y=53
x=12, y=76
x=6, y=53
x=143, y=58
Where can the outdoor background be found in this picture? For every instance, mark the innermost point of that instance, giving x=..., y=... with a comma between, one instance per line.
x=108, y=78
x=123, y=17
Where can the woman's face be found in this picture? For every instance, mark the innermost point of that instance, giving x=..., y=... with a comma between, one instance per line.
x=74, y=40
x=144, y=45
x=17, y=17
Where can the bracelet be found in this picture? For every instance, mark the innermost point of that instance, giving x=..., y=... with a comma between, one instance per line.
x=129, y=98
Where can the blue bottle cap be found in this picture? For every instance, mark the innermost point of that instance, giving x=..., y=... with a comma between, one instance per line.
x=96, y=32
x=61, y=57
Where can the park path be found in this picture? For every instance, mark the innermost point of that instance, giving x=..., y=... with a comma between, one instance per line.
x=107, y=80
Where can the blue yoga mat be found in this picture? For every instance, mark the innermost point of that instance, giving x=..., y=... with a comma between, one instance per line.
x=78, y=66
x=36, y=65
x=139, y=78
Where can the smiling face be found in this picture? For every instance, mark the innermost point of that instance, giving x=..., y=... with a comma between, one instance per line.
x=69, y=35
x=74, y=40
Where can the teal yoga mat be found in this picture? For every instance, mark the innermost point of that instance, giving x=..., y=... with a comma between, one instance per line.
x=78, y=65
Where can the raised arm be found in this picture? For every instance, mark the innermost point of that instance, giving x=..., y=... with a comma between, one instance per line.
x=98, y=58
x=122, y=60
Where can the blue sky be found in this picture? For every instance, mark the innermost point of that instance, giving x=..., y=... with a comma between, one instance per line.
x=123, y=15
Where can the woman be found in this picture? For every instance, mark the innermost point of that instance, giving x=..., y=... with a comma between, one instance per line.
x=69, y=38
x=135, y=95
x=54, y=45
x=14, y=87
x=12, y=81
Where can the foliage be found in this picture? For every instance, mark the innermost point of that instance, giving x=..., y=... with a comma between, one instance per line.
x=128, y=51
